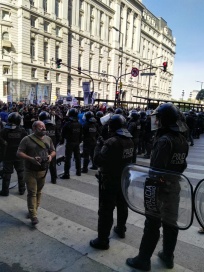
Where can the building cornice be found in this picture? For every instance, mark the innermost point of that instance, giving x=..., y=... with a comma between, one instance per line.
x=100, y=5
x=56, y=21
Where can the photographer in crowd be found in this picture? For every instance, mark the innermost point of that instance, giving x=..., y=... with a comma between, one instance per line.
x=37, y=150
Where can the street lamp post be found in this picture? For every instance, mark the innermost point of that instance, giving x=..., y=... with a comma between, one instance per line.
x=201, y=83
x=183, y=92
x=121, y=60
x=11, y=82
x=150, y=71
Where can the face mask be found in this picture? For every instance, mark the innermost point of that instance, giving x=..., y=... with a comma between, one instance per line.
x=40, y=132
x=154, y=123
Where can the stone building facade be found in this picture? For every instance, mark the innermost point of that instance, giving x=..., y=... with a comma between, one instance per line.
x=104, y=38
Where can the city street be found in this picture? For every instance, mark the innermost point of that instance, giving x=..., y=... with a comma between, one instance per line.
x=68, y=221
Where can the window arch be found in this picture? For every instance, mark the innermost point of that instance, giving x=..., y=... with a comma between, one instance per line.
x=5, y=36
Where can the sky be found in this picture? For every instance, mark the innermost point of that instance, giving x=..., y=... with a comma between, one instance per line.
x=185, y=19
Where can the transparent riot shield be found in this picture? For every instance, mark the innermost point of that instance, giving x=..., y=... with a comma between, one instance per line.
x=60, y=154
x=199, y=202
x=165, y=195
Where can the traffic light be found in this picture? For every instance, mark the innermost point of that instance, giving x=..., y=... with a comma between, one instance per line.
x=165, y=64
x=58, y=63
x=79, y=70
x=117, y=95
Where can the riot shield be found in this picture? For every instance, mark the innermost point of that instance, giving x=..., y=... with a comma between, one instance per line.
x=161, y=194
x=199, y=202
x=60, y=154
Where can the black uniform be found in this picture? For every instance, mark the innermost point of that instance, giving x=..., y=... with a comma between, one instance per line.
x=141, y=144
x=112, y=157
x=191, y=123
x=72, y=132
x=134, y=129
x=89, y=142
x=11, y=138
x=169, y=153
x=51, y=131
x=148, y=137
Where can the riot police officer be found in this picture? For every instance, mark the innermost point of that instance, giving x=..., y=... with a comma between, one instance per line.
x=141, y=144
x=51, y=131
x=11, y=135
x=99, y=114
x=89, y=140
x=134, y=129
x=169, y=152
x=112, y=156
x=72, y=133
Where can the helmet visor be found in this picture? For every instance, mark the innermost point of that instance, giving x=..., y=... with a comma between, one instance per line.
x=154, y=122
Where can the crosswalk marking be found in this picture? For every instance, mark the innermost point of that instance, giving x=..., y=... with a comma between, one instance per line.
x=77, y=236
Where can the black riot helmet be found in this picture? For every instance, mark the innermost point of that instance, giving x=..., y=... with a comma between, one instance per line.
x=118, y=111
x=73, y=114
x=168, y=116
x=117, y=124
x=44, y=116
x=99, y=114
x=89, y=117
x=14, y=118
x=134, y=115
x=143, y=114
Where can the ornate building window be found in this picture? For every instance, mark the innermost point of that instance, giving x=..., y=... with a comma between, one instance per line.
x=32, y=3
x=33, y=21
x=32, y=48
x=46, y=75
x=46, y=26
x=58, y=31
x=33, y=73
x=5, y=15
x=57, y=8
x=45, y=5
x=57, y=52
x=57, y=77
x=6, y=70
x=5, y=36
x=45, y=51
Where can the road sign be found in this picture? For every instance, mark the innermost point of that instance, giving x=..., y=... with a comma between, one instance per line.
x=147, y=74
x=134, y=72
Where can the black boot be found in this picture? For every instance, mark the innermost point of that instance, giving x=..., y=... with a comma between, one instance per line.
x=65, y=176
x=99, y=244
x=119, y=232
x=5, y=186
x=78, y=172
x=139, y=263
x=21, y=188
x=84, y=170
x=168, y=261
x=2, y=193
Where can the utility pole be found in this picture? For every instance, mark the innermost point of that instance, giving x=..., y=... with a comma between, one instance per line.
x=201, y=84
x=121, y=60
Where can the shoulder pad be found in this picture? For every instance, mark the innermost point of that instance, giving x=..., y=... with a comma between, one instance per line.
x=124, y=132
x=10, y=126
x=48, y=121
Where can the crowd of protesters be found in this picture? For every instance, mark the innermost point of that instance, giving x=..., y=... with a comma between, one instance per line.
x=139, y=123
